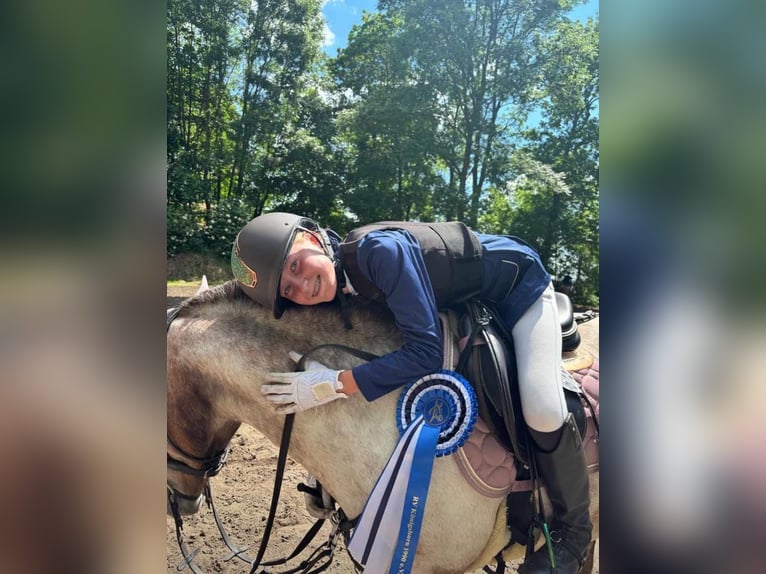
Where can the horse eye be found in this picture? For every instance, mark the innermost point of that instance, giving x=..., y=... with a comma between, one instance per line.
x=293, y=265
x=287, y=291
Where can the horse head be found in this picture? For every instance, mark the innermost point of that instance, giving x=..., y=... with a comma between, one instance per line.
x=196, y=451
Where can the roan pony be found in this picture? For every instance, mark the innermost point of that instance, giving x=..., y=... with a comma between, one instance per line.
x=219, y=350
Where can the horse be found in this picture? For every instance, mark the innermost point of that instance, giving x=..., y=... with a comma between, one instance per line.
x=220, y=349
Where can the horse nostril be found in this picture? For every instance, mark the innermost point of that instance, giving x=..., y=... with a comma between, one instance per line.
x=186, y=506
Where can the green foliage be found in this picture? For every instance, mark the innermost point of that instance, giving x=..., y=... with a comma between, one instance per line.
x=192, y=229
x=422, y=116
x=567, y=140
x=183, y=230
x=522, y=206
x=391, y=127
x=222, y=225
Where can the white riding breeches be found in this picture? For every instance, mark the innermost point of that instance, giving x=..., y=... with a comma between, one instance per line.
x=537, y=340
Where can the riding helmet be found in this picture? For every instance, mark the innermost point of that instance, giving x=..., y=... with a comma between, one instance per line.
x=259, y=252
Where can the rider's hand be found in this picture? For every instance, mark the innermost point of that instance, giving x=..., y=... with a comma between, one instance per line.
x=295, y=392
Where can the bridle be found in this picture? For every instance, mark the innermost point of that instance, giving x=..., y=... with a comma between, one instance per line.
x=201, y=467
x=181, y=461
x=210, y=466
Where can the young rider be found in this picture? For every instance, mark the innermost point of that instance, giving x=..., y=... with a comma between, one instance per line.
x=281, y=259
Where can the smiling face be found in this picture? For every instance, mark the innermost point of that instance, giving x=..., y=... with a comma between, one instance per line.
x=308, y=276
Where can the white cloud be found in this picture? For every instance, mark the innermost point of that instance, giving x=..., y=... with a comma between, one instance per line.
x=329, y=36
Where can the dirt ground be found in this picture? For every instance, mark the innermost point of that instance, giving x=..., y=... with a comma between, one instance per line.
x=242, y=494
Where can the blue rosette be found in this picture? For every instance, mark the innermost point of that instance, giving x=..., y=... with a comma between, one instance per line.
x=435, y=415
x=446, y=400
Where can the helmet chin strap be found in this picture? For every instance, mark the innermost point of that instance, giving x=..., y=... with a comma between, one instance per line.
x=323, y=239
x=326, y=245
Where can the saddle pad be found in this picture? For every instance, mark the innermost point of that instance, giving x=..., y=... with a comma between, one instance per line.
x=588, y=381
x=489, y=468
x=485, y=464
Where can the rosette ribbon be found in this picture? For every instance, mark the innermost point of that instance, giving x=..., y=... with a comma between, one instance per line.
x=435, y=415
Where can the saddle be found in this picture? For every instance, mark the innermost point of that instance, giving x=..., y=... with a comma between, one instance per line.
x=484, y=354
x=570, y=336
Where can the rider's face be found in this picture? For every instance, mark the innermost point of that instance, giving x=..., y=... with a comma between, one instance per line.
x=308, y=277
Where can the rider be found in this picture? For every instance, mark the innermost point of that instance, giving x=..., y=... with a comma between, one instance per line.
x=281, y=259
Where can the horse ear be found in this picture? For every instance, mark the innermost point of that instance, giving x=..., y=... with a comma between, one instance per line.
x=202, y=285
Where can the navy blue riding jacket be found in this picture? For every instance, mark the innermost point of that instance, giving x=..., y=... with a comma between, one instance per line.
x=513, y=278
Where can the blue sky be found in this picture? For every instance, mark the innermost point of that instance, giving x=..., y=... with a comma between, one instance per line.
x=341, y=15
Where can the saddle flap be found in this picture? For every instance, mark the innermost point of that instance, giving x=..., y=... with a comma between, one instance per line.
x=489, y=364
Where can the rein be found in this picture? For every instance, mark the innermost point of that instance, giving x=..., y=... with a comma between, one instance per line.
x=364, y=355
x=284, y=446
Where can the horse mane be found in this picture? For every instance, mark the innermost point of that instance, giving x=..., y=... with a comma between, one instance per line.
x=229, y=290
x=361, y=309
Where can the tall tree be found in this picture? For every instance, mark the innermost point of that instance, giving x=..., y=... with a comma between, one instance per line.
x=479, y=57
x=280, y=42
x=200, y=60
x=567, y=140
x=309, y=165
x=390, y=126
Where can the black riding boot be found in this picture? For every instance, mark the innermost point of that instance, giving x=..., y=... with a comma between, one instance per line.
x=565, y=474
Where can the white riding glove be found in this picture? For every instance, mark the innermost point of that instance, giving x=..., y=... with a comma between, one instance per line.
x=295, y=392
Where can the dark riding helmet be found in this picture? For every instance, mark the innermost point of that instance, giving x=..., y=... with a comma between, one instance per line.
x=259, y=252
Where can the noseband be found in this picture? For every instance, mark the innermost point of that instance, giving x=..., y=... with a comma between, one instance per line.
x=201, y=467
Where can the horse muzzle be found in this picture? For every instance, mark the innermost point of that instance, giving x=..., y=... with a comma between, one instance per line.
x=184, y=503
